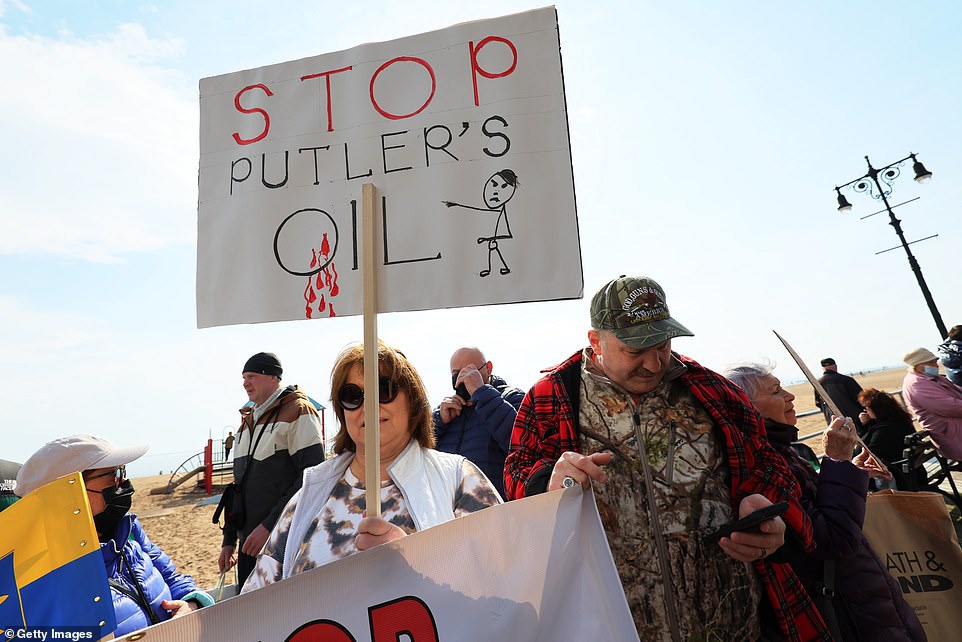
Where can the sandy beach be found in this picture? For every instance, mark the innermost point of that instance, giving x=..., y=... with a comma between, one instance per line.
x=184, y=530
x=180, y=527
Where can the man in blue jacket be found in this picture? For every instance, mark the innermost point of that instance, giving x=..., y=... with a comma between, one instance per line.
x=476, y=421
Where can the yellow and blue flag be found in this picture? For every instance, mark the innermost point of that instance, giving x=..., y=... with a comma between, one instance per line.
x=52, y=572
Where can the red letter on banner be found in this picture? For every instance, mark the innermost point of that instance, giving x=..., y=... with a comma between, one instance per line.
x=419, y=61
x=320, y=631
x=476, y=69
x=327, y=81
x=267, y=118
x=408, y=616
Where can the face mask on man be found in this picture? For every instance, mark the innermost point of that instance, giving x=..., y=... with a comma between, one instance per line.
x=118, y=500
x=460, y=390
x=932, y=371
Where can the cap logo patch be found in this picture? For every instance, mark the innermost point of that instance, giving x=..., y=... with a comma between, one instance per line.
x=643, y=305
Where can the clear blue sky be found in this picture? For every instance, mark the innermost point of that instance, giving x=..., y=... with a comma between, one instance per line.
x=706, y=140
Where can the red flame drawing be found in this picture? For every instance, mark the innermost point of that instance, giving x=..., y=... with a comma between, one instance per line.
x=323, y=280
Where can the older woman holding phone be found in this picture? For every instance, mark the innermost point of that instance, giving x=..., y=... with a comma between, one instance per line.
x=868, y=603
x=420, y=487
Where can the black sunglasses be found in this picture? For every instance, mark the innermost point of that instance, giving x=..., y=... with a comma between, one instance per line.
x=119, y=475
x=351, y=396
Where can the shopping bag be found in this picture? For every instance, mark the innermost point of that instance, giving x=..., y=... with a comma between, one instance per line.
x=914, y=537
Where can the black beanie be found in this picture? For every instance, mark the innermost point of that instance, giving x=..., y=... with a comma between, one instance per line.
x=264, y=363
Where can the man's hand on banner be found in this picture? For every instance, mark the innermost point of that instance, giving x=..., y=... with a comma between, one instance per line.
x=581, y=468
x=372, y=531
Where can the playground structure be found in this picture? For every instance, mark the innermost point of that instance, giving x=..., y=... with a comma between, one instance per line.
x=210, y=468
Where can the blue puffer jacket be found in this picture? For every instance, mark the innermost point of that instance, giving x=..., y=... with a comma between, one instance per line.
x=483, y=430
x=156, y=574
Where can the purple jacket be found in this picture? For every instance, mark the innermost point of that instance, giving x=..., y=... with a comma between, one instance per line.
x=937, y=402
x=868, y=602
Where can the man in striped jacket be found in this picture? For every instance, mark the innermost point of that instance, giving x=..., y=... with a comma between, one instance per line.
x=672, y=452
x=279, y=437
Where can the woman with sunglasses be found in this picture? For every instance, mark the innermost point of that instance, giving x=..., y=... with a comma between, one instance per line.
x=144, y=583
x=420, y=487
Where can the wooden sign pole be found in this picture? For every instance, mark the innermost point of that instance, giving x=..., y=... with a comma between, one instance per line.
x=372, y=435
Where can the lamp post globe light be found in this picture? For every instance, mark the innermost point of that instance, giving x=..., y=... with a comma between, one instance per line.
x=872, y=183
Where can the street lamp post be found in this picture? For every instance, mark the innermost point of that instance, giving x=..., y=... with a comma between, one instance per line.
x=888, y=174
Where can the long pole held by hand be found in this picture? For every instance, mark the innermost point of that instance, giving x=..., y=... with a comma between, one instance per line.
x=819, y=389
x=372, y=435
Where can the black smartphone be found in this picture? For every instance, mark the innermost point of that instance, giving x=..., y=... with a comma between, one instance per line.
x=747, y=522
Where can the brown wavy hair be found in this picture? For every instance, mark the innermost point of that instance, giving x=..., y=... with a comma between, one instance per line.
x=391, y=363
x=884, y=406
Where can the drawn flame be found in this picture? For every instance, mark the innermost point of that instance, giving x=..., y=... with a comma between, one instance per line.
x=334, y=287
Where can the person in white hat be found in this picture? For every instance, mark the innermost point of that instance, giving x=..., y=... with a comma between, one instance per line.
x=144, y=583
x=935, y=400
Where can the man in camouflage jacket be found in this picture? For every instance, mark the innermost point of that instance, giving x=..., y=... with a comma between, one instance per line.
x=683, y=453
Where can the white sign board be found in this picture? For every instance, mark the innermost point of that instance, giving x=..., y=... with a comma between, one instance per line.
x=533, y=570
x=464, y=133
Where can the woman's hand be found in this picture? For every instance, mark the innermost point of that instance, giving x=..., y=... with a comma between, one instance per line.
x=839, y=440
x=178, y=608
x=871, y=465
x=373, y=531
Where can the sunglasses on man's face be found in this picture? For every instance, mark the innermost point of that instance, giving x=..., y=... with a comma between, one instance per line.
x=351, y=396
x=119, y=475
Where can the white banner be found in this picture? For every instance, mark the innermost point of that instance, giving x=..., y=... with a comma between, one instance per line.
x=464, y=133
x=537, y=569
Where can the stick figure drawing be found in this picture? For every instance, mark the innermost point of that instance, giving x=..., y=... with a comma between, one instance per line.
x=498, y=190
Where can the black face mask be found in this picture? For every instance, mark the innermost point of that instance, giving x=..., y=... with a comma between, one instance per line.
x=118, y=502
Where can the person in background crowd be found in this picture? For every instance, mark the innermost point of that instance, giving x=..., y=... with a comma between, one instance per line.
x=420, y=487
x=279, y=437
x=144, y=583
x=228, y=444
x=476, y=421
x=885, y=425
x=951, y=350
x=867, y=602
x=843, y=390
x=683, y=453
x=935, y=400
x=8, y=482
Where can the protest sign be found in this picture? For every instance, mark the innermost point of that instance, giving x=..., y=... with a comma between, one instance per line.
x=464, y=133
x=533, y=570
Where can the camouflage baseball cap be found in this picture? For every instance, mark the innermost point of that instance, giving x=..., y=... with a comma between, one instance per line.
x=634, y=310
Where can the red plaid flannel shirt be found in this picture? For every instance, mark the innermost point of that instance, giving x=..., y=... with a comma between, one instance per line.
x=546, y=427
